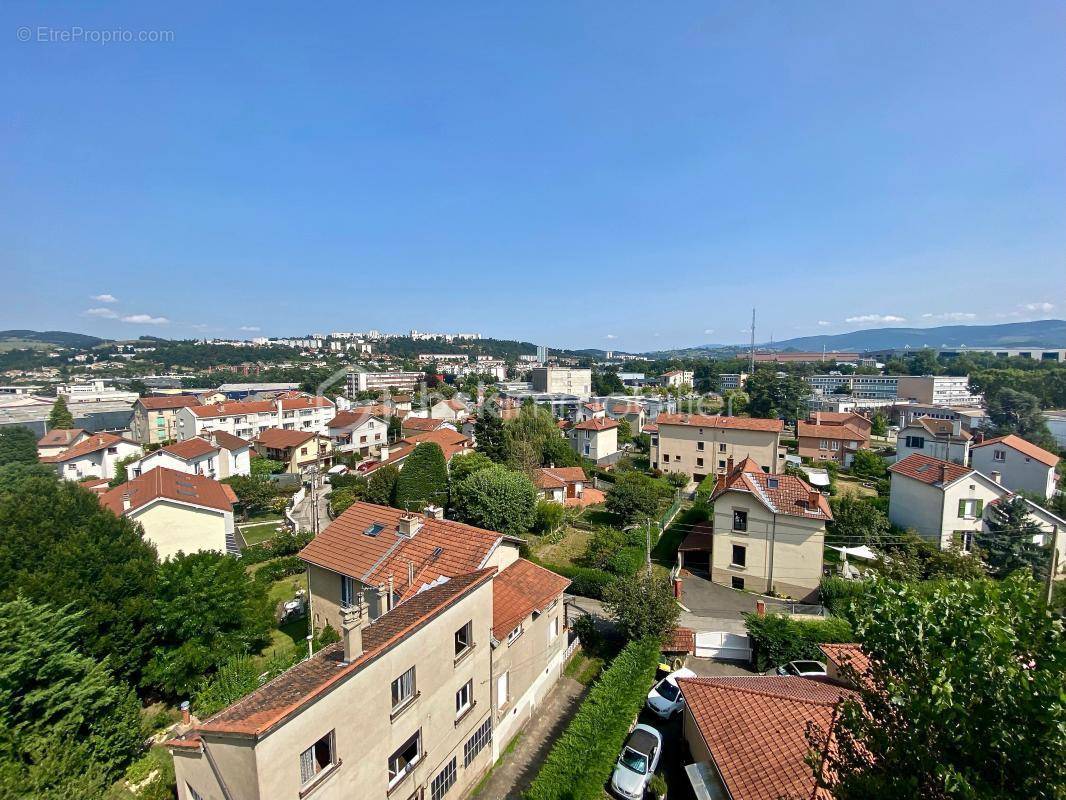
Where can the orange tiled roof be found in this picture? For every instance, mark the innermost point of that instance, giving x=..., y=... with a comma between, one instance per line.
x=296, y=403
x=346, y=548
x=422, y=424
x=1023, y=447
x=558, y=477
x=169, y=401
x=356, y=417
x=226, y=440
x=98, y=441
x=190, y=448
x=940, y=428
x=841, y=432
x=60, y=437
x=847, y=654
x=782, y=494
x=233, y=409
x=627, y=408
x=718, y=421
x=596, y=425
x=286, y=694
x=755, y=728
x=169, y=484
x=837, y=417
x=518, y=591
x=929, y=470
x=450, y=442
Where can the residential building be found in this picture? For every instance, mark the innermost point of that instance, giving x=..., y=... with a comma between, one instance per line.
x=358, y=431
x=769, y=532
x=826, y=440
x=451, y=410
x=216, y=455
x=873, y=387
x=677, y=378
x=596, y=439
x=700, y=445
x=936, y=438
x=1056, y=355
x=590, y=410
x=566, y=485
x=972, y=418
x=155, y=419
x=748, y=735
x=1023, y=466
x=450, y=441
x=563, y=380
x=938, y=390
x=247, y=419
x=94, y=391
x=179, y=512
x=95, y=456
x=412, y=426
x=383, y=381
x=849, y=418
x=299, y=451
x=732, y=380
x=59, y=439
x=629, y=410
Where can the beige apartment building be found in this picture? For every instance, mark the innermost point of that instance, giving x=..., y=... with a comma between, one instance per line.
x=416, y=703
x=563, y=380
x=700, y=445
x=155, y=419
x=769, y=533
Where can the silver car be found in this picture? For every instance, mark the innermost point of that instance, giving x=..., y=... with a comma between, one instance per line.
x=637, y=763
x=665, y=699
x=802, y=669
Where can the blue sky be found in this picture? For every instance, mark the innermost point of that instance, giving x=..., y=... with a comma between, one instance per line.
x=579, y=174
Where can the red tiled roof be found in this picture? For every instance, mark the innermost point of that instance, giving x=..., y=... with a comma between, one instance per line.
x=841, y=432
x=169, y=401
x=190, y=448
x=837, y=417
x=1023, y=447
x=281, y=439
x=782, y=494
x=520, y=590
x=679, y=640
x=422, y=424
x=847, y=654
x=929, y=470
x=596, y=425
x=170, y=484
x=234, y=409
x=450, y=442
x=651, y=427
x=627, y=408
x=277, y=699
x=558, y=477
x=756, y=730
x=718, y=421
x=226, y=440
x=345, y=547
x=98, y=441
x=296, y=403
x=594, y=406
x=454, y=405
x=354, y=418
x=940, y=428
x=60, y=437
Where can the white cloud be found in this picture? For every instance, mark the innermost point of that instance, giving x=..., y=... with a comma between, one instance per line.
x=824, y=323
x=876, y=318
x=104, y=298
x=1038, y=306
x=950, y=316
x=146, y=319
x=708, y=331
x=103, y=313
x=250, y=328
x=608, y=336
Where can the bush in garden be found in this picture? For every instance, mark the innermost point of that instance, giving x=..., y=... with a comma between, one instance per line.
x=777, y=639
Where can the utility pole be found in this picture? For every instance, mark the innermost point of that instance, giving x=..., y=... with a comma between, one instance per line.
x=648, y=555
x=751, y=363
x=1053, y=563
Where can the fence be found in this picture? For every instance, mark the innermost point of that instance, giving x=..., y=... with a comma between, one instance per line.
x=774, y=606
x=668, y=515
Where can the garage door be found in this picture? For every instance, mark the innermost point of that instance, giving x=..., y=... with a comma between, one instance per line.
x=723, y=645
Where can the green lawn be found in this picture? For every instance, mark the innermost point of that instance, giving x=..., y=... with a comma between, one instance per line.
x=260, y=532
x=573, y=545
x=665, y=550
x=599, y=515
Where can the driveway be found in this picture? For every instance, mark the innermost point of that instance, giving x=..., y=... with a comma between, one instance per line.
x=705, y=599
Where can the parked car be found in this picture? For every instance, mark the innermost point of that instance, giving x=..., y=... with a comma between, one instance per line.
x=802, y=669
x=637, y=763
x=664, y=699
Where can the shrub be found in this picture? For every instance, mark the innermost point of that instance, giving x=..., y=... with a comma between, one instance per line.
x=284, y=544
x=581, y=761
x=585, y=581
x=587, y=632
x=777, y=639
x=627, y=561
x=276, y=570
x=658, y=787
x=548, y=516
x=839, y=595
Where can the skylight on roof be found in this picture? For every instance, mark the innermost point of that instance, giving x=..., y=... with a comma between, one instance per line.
x=374, y=529
x=922, y=468
x=772, y=483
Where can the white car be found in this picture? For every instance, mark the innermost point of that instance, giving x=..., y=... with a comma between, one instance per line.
x=637, y=763
x=802, y=669
x=664, y=699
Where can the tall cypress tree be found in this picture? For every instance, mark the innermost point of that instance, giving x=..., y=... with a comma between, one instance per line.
x=1007, y=541
x=423, y=480
x=488, y=433
x=60, y=416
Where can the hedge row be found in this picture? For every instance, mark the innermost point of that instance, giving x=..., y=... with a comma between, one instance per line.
x=584, y=581
x=284, y=544
x=777, y=639
x=275, y=570
x=582, y=759
x=839, y=595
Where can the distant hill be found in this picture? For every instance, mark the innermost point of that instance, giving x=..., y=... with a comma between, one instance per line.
x=62, y=338
x=1041, y=333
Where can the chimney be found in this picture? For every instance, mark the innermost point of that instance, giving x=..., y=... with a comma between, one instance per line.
x=409, y=524
x=997, y=477
x=812, y=499
x=277, y=407
x=383, y=455
x=186, y=717
x=352, y=621
x=729, y=466
x=943, y=473
x=434, y=512
x=126, y=504
x=817, y=417
x=956, y=427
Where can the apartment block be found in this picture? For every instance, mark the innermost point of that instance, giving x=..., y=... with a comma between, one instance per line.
x=383, y=381
x=291, y=412
x=700, y=445
x=155, y=419
x=563, y=380
x=871, y=387
x=938, y=390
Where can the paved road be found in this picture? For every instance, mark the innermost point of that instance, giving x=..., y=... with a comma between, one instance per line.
x=699, y=622
x=302, y=513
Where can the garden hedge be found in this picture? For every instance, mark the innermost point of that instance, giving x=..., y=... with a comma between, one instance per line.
x=581, y=761
x=584, y=581
x=839, y=594
x=777, y=639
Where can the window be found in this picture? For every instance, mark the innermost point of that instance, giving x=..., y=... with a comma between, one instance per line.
x=476, y=743
x=915, y=442
x=464, y=698
x=464, y=639
x=999, y=455
x=823, y=444
x=444, y=781
x=964, y=541
x=740, y=520
x=699, y=462
x=347, y=591
x=699, y=445
x=971, y=508
x=737, y=583
x=403, y=689
x=501, y=690
x=740, y=555
x=721, y=447
x=834, y=445
x=112, y=450
x=403, y=760
x=514, y=634
x=303, y=451
x=316, y=759
x=721, y=464
x=553, y=630
x=666, y=458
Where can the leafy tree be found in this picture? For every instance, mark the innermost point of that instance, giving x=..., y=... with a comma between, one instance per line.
x=254, y=492
x=261, y=466
x=57, y=542
x=52, y=692
x=679, y=480
x=381, y=488
x=18, y=445
x=775, y=397
x=1019, y=413
x=607, y=382
x=558, y=452
x=496, y=498
x=120, y=476
x=548, y=516
x=633, y=495
x=963, y=698
x=1007, y=541
x=424, y=478
x=879, y=424
x=532, y=439
x=395, y=431
x=464, y=465
x=625, y=431
x=868, y=464
x=642, y=605
x=340, y=500
x=49, y=767
x=489, y=435
x=856, y=522
x=60, y=417
x=912, y=558
x=739, y=400
x=207, y=609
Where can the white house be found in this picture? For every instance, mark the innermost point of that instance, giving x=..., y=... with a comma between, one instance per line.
x=290, y=411
x=450, y=410
x=1023, y=466
x=216, y=454
x=936, y=438
x=93, y=457
x=358, y=431
x=59, y=439
x=177, y=511
x=677, y=378
x=595, y=439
